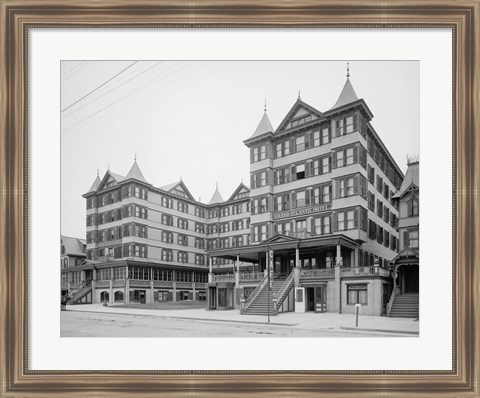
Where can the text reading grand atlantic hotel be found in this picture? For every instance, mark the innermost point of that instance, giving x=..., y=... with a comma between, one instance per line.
x=324, y=196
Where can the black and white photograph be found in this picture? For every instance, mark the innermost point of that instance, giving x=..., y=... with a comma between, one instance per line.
x=239, y=198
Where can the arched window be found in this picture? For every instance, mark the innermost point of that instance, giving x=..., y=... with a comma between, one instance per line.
x=104, y=297
x=118, y=297
x=413, y=207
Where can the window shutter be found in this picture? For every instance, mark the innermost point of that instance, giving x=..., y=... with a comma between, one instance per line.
x=307, y=196
x=355, y=153
x=292, y=145
x=251, y=155
x=355, y=122
x=294, y=199
x=275, y=177
x=337, y=189
x=293, y=173
x=356, y=216
x=355, y=185
x=308, y=167
x=333, y=159
x=334, y=222
x=267, y=150
x=308, y=143
x=251, y=181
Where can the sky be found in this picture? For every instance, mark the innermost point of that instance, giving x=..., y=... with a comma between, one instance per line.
x=188, y=119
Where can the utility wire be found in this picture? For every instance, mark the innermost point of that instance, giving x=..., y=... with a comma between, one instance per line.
x=95, y=89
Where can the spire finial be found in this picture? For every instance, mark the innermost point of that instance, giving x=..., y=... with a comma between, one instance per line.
x=348, y=70
x=216, y=184
x=98, y=172
x=265, y=108
x=299, y=94
x=135, y=156
x=108, y=167
x=180, y=177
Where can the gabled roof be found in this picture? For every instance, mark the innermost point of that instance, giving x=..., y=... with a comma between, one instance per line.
x=180, y=186
x=347, y=95
x=263, y=127
x=280, y=238
x=411, y=180
x=241, y=188
x=95, y=185
x=73, y=246
x=110, y=175
x=135, y=173
x=295, y=110
x=407, y=252
x=216, y=198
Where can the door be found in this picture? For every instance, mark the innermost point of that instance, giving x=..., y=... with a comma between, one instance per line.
x=310, y=298
x=320, y=299
x=212, y=298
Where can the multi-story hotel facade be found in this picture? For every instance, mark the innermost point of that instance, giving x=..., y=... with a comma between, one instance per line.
x=320, y=214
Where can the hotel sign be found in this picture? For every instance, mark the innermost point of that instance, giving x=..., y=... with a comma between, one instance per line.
x=301, y=212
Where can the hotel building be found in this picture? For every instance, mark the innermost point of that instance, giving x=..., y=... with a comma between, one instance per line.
x=321, y=213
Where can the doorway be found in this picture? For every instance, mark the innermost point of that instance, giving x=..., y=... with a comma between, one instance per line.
x=316, y=298
x=212, y=298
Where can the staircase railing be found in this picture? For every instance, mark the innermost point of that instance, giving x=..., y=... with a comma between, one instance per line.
x=390, y=302
x=281, y=294
x=256, y=292
x=80, y=292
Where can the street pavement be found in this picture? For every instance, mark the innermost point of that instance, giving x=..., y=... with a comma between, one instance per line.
x=97, y=320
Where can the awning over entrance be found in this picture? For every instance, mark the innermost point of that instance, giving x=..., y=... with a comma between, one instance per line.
x=282, y=243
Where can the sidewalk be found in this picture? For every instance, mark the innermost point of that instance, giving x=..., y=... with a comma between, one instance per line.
x=307, y=320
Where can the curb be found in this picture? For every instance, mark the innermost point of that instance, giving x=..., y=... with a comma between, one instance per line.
x=380, y=330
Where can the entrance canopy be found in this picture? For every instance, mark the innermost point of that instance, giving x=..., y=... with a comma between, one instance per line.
x=250, y=253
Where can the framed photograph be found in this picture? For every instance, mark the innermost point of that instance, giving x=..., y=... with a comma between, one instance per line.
x=236, y=190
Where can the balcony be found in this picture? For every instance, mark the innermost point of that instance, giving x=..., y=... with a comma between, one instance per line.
x=365, y=271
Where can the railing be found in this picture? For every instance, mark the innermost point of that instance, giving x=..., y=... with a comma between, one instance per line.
x=317, y=273
x=256, y=292
x=392, y=298
x=365, y=271
x=119, y=283
x=184, y=284
x=81, y=292
x=139, y=283
x=299, y=234
x=283, y=290
x=251, y=276
x=162, y=284
x=100, y=284
x=224, y=278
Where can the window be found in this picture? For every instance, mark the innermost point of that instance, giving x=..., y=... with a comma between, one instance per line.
x=340, y=162
x=182, y=223
x=372, y=229
x=167, y=202
x=260, y=233
x=301, y=120
x=263, y=205
x=199, y=227
x=316, y=138
x=379, y=184
x=167, y=219
x=300, y=171
x=371, y=201
x=413, y=207
x=300, y=199
x=326, y=165
x=322, y=225
x=199, y=259
x=326, y=193
x=183, y=207
x=286, y=148
x=182, y=240
x=167, y=237
x=258, y=153
x=200, y=243
x=278, y=150
x=357, y=294
x=347, y=125
x=182, y=257
x=199, y=212
x=347, y=220
x=283, y=228
x=325, y=135
x=300, y=143
x=346, y=187
x=411, y=239
x=237, y=241
x=379, y=208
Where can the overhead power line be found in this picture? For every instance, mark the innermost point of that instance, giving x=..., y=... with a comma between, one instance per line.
x=103, y=84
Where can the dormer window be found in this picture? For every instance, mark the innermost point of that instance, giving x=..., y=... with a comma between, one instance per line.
x=301, y=120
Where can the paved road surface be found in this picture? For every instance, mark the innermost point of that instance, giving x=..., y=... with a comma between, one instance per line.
x=89, y=324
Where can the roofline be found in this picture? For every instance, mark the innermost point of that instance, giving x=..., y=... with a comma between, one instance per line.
x=260, y=137
x=342, y=108
x=298, y=101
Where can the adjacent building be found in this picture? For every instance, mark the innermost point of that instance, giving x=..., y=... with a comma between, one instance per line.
x=322, y=213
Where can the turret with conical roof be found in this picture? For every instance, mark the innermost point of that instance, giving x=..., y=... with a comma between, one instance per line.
x=347, y=94
x=216, y=197
x=95, y=185
x=135, y=173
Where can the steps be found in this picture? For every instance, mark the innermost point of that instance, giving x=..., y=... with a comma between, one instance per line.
x=405, y=306
x=260, y=305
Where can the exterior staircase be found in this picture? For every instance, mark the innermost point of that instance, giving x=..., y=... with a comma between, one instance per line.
x=405, y=306
x=80, y=292
x=280, y=290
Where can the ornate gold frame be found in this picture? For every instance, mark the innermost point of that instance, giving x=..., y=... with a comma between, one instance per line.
x=18, y=16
